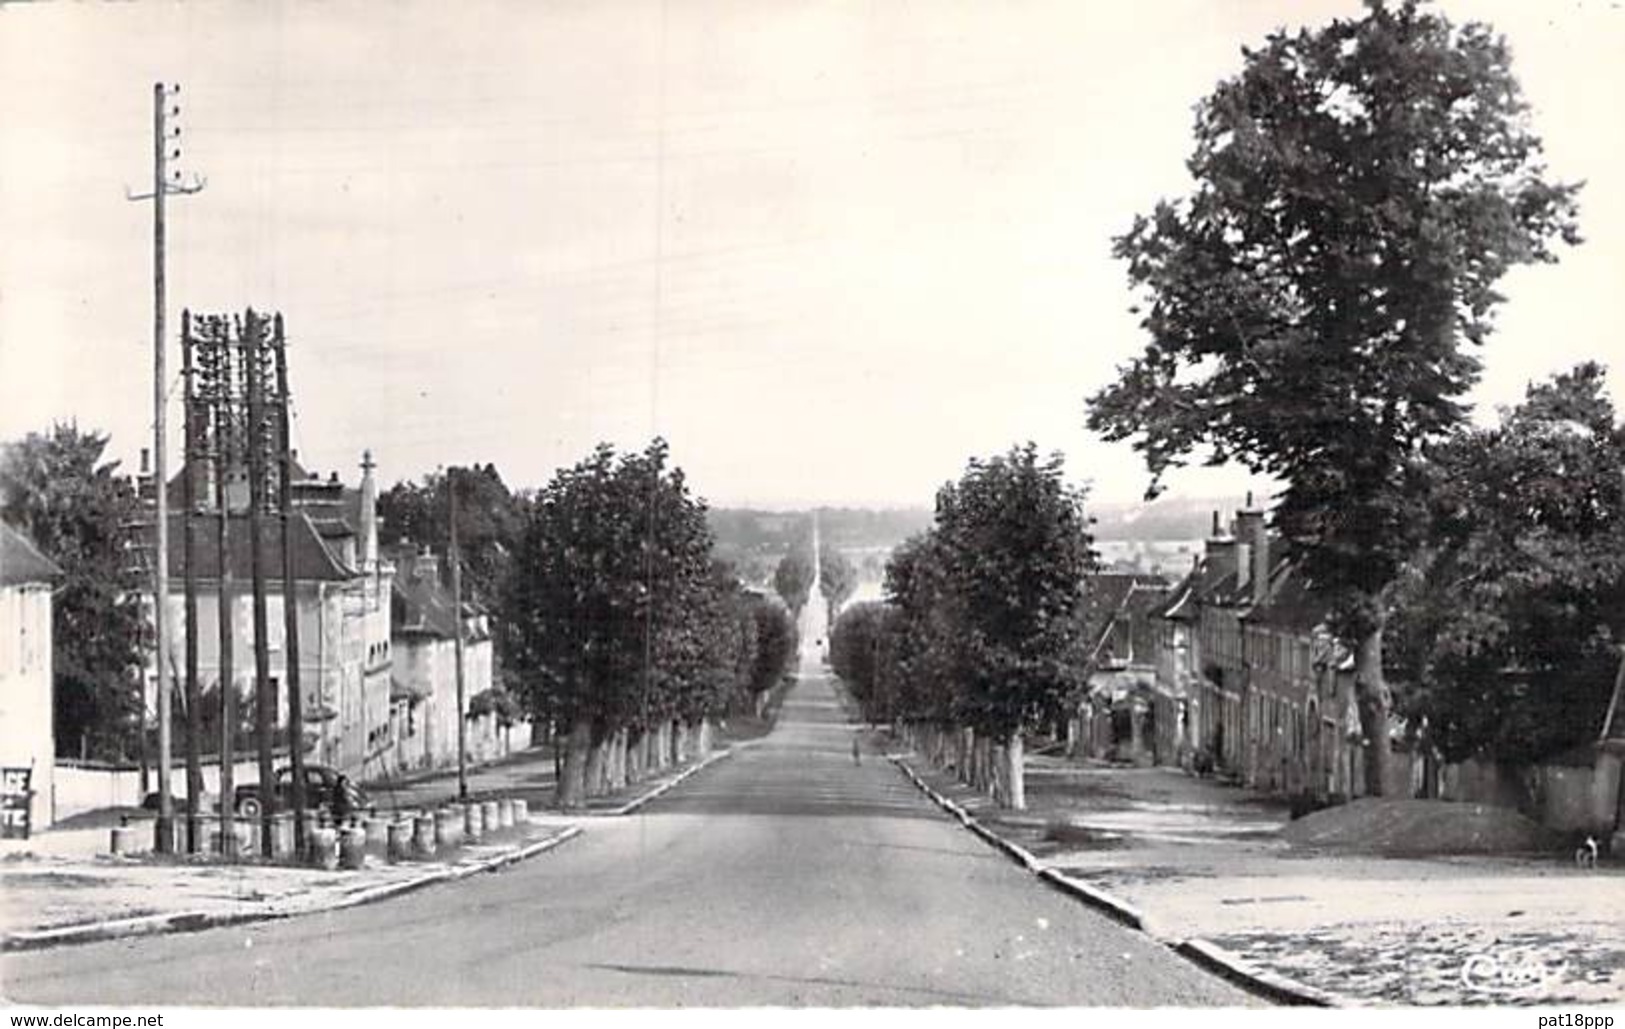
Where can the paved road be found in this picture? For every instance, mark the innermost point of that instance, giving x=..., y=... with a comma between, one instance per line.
x=783, y=876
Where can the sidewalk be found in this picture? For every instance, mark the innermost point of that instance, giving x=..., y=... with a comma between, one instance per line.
x=1201, y=861
x=529, y=776
x=62, y=886
x=59, y=899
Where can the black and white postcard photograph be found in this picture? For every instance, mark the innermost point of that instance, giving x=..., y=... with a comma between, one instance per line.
x=880, y=509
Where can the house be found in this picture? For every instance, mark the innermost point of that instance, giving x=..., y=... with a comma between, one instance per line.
x=341, y=590
x=27, y=734
x=423, y=626
x=1249, y=681
x=1116, y=718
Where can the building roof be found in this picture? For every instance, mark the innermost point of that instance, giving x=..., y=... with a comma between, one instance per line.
x=1290, y=604
x=1206, y=578
x=399, y=690
x=202, y=471
x=21, y=563
x=421, y=605
x=313, y=559
x=1110, y=595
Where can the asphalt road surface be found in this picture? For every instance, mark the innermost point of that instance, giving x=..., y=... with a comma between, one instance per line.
x=785, y=875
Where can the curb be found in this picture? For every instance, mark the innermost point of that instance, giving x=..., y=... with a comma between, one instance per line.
x=1274, y=987
x=1202, y=953
x=1096, y=897
x=196, y=921
x=637, y=802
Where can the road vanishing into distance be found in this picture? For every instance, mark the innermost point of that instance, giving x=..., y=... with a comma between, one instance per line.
x=784, y=875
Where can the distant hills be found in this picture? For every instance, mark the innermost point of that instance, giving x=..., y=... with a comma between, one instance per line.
x=1169, y=518
x=754, y=540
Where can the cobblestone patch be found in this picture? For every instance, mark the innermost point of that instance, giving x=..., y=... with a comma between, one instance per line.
x=1446, y=965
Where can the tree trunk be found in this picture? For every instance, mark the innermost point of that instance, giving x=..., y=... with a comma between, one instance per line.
x=1373, y=699
x=1015, y=776
x=571, y=787
x=595, y=766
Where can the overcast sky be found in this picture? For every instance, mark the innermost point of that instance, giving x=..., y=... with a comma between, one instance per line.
x=829, y=250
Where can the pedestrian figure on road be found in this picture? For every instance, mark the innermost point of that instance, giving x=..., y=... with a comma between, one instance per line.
x=857, y=757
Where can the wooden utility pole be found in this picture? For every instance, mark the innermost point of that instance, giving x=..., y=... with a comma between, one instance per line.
x=165, y=842
x=457, y=640
x=164, y=149
x=290, y=595
x=252, y=336
x=193, y=460
x=223, y=437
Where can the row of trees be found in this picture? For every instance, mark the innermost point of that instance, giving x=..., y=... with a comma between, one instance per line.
x=621, y=629
x=981, y=636
x=612, y=619
x=1506, y=621
x=793, y=577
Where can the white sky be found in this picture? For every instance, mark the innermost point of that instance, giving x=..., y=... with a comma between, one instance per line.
x=830, y=250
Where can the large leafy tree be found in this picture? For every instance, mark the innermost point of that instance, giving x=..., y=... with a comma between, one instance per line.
x=861, y=649
x=776, y=643
x=489, y=517
x=837, y=578
x=615, y=616
x=1510, y=625
x=1313, y=304
x=793, y=578
x=1016, y=549
x=58, y=488
x=925, y=658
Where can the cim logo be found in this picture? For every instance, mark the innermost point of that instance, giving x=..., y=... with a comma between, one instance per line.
x=1511, y=971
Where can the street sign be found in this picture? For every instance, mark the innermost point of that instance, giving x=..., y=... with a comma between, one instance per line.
x=16, y=802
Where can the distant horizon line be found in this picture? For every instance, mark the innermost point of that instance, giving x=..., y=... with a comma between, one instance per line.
x=804, y=508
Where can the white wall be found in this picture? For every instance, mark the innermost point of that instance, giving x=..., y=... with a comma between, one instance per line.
x=86, y=789
x=27, y=736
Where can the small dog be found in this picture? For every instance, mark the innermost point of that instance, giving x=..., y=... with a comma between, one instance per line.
x=1586, y=856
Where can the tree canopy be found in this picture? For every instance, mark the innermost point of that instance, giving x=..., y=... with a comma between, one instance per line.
x=1509, y=627
x=793, y=578
x=837, y=578
x=981, y=623
x=616, y=615
x=1360, y=189
x=78, y=510
x=489, y=516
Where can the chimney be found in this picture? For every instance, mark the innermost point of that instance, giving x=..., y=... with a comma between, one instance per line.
x=369, y=514
x=427, y=566
x=1219, y=551
x=1250, y=528
x=143, y=479
x=236, y=490
x=1243, y=545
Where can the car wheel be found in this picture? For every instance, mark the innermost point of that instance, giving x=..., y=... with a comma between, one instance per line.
x=248, y=807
